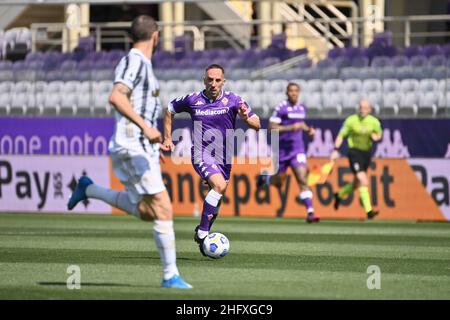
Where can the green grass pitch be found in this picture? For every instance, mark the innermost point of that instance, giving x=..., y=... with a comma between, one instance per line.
x=269, y=259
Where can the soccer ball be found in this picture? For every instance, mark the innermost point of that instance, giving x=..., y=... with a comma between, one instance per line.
x=216, y=245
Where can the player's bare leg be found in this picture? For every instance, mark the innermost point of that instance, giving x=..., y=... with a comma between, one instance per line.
x=360, y=182
x=157, y=208
x=306, y=194
x=276, y=180
x=211, y=204
x=363, y=183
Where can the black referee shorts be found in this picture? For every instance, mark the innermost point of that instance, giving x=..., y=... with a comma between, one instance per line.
x=359, y=160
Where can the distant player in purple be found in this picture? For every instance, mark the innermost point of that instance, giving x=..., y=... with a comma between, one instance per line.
x=289, y=119
x=213, y=112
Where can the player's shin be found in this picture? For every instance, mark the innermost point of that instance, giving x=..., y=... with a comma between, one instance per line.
x=209, y=212
x=365, y=198
x=306, y=198
x=117, y=199
x=164, y=237
x=215, y=214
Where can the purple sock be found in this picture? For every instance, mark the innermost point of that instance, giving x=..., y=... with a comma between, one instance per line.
x=306, y=197
x=207, y=214
x=308, y=204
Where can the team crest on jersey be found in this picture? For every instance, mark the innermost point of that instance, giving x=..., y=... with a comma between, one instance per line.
x=225, y=101
x=155, y=93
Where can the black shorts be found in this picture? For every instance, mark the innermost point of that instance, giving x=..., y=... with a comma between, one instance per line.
x=359, y=160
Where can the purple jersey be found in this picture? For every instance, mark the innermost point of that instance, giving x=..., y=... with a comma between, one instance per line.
x=213, y=118
x=291, y=142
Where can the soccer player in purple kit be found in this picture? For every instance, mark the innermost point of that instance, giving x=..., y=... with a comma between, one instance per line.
x=289, y=119
x=214, y=113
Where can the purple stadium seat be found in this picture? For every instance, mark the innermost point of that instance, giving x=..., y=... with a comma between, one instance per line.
x=268, y=62
x=235, y=63
x=96, y=56
x=379, y=50
x=68, y=65
x=400, y=61
x=335, y=53
x=440, y=72
x=223, y=62
x=352, y=52
x=381, y=62
x=6, y=65
x=84, y=65
x=167, y=64
x=19, y=65
x=250, y=63
x=51, y=60
x=419, y=61
x=305, y=63
x=79, y=55
x=35, y=65
x=34, y=56
x=391, y=51
x=248, y=54
x=66, y=56
x=114, y=56
x=342, y=62
x=325, y=63
x=359, y=62
x=53, y=75
x=101, y=64
x=163, y=55
x=437, y=60
x=230, y=53
x=446, y=50
x=406, y=72
x=412, y=51
x=328, y=73
x=431, y=50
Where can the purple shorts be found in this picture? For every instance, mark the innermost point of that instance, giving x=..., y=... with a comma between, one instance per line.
x=298, y=160
x=205, y=170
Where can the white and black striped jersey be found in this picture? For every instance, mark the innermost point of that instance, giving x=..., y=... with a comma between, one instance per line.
x=136, y=72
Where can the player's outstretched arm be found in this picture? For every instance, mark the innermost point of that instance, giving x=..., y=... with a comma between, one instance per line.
x=375, y=136
x=286, y=128
x=309, y=130
x=252, y=120
x=337, y=144
x=120, y=99
x=377, y=133
x=167, y=144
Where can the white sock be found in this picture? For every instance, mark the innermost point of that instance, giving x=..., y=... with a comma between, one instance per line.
x=202, y=234
x=114, y=198
x=307, y=195
x=213, y=198
x=165, y=241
